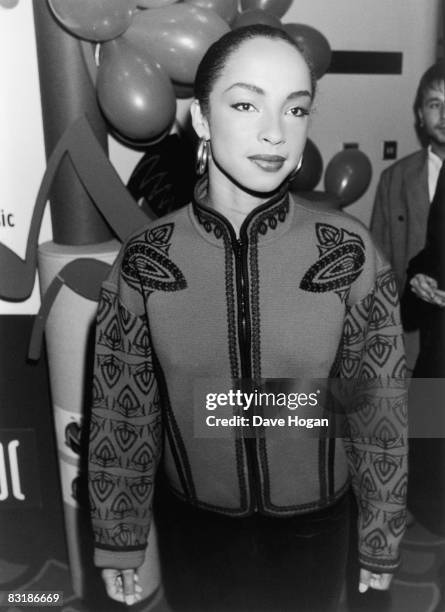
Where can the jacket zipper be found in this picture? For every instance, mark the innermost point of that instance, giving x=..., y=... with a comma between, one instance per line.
x=244, y=342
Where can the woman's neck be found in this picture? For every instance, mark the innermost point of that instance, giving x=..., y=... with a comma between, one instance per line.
x=230, y=200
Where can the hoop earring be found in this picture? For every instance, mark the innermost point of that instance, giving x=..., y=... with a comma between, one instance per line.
x=202, y=156
x=294, y=172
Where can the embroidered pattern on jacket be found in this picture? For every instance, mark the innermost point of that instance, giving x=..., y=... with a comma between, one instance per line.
x=377, y=416
x=146, y=261
x=342, y=256
x=123, y=456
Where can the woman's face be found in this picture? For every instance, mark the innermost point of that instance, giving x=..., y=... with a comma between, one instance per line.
x=258, y=114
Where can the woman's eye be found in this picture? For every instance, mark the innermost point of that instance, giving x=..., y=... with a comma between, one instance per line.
x=243, y=106
x=298, y=111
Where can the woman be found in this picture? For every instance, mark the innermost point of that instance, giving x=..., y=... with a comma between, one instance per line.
x=246, y=283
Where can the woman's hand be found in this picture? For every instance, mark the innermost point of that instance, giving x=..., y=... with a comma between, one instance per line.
x=122, y=585
x=426, y=289
x=368, y=579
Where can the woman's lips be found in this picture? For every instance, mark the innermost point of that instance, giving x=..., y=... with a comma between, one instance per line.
x=269, y=163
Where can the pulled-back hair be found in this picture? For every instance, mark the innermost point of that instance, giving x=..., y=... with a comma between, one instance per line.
x=215, y=59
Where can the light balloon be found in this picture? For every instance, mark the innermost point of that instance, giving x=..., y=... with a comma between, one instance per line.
x=135, y=94
x=177, y=36
x=98, y=21
x=348, y=175
x=149, y=4
x=227, y=9
x=314, y=43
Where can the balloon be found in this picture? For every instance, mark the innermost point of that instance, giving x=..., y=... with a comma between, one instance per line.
x=314, y=43
x=227, y=9
x=177, y=36
x=149, y=4
x=135, y=94
x=348, y=175
x=274, y=7
x=311, y=169
x=254, y=16
x=97, y=20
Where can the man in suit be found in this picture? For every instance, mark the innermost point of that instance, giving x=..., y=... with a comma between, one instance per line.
x=406, y=188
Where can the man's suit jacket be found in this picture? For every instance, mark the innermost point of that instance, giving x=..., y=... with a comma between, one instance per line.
x=399, y=222
x=400, y=214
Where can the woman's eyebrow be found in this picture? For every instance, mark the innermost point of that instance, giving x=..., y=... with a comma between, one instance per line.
x=248, y=86
x=251, y=87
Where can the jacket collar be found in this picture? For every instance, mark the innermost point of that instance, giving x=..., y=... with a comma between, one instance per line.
x=266, y=222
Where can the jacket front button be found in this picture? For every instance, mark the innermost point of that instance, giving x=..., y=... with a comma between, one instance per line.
x=401, y=218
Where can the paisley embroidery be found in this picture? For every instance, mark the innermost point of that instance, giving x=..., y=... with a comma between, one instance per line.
x=342, y=256
x=146, y=262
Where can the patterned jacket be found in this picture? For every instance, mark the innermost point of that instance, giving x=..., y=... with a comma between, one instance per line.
x=302, y=294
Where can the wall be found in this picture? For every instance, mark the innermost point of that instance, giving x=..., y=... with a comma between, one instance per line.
x=369, y=109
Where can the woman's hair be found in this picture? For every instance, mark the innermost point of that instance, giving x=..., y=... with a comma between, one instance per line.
x=215, y=59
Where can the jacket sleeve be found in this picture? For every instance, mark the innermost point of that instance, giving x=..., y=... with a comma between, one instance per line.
x=373, y=360
x=125, y=425
x=380, y=220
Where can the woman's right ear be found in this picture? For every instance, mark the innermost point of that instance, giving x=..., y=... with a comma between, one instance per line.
x=199, y=120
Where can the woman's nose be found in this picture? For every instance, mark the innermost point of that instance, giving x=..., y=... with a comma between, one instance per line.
x=271, y=131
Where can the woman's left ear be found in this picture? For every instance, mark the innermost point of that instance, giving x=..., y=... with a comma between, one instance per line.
x=199, y=121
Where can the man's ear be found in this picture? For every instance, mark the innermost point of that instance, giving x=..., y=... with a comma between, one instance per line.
x=199, y=121
x=420, y=116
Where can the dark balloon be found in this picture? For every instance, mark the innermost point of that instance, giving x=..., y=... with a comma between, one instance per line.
x=274, y=7
x=255, y=16
x=348, y=175
x=311, y=169
x=134, y=92
x=227, y=9
x=183, y=91
x=97, y=20
x=315, y=44
x=177, y=36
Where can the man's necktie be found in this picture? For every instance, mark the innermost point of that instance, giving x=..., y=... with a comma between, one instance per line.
x=435, y=235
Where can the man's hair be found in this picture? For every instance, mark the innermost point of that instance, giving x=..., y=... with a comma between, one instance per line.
x=434, y=76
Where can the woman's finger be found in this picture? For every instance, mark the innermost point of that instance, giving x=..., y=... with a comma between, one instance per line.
x=112, y=586
x=129, y=586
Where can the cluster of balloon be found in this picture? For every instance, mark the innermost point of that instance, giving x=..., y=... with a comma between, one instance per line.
x=177, y=36
x=150, y=51
x=348, y=175
x=315, y=45
x=310, y=171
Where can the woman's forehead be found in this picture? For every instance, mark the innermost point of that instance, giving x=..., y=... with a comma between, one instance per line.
x=265, y=61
